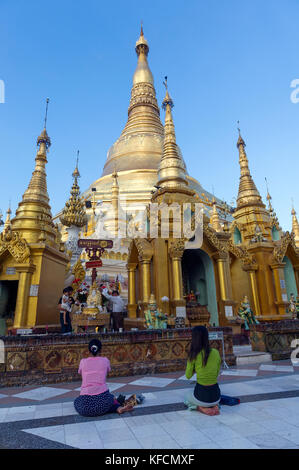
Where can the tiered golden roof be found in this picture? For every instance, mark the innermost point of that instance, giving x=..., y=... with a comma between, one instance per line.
x=33, y=215
x=248, y=193
x=74, y=212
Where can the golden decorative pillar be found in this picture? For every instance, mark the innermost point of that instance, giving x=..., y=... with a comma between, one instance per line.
x=225, y=287
x=25, y=273
x=131, y=290
x=146, y=280
x=254, y=288
x=222, y=272
x=145, y=254
x=280, y=289
x=176, y=250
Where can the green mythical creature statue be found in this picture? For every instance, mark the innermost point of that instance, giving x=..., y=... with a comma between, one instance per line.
x=246, y=314
x=154, y=317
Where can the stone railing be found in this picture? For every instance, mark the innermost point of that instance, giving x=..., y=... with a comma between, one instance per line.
x=275, y=338
x=55, y=358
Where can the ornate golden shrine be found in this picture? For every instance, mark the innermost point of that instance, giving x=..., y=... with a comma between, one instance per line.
x=31, y=251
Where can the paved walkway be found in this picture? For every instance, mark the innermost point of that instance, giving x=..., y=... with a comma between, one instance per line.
x=268, y=416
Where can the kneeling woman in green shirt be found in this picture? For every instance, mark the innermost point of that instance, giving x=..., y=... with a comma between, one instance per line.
x=205, y=362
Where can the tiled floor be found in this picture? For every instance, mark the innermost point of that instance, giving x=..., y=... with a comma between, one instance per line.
x=268, y=416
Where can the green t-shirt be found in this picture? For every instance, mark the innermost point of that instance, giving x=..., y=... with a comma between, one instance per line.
x=208, y=374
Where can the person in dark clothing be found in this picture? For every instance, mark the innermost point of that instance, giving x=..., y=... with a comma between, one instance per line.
x=65, y=317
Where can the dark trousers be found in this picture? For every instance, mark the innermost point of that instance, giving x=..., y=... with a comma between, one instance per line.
x=117, y=320
x=68, y=327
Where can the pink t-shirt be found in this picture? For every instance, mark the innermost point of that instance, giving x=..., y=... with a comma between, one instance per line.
x=94, y=371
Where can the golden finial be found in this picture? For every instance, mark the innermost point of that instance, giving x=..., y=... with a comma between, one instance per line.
x=46, y=113
x=167, y=100
x=44, y=138
x=141, y=43
x=240, y=140
x=76, y=173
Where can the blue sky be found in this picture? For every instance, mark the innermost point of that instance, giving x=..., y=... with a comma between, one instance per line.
x=225, y=60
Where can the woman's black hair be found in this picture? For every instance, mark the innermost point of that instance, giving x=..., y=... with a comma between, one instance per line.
x=115, y=292
x=200, y=342
x=95, y=346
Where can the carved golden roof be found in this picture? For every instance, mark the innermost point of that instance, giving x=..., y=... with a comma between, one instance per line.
x=74, y=212
x=33, y=214
x=139, y=145
x=248, y=193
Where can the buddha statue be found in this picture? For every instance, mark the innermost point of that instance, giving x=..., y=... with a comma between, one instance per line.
x=246, y=314
x=94, y=301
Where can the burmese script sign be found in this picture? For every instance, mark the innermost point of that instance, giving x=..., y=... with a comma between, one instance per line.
x=94, y=244
x=93, y=264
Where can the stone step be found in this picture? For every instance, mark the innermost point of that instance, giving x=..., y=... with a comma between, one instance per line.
x=245, y=355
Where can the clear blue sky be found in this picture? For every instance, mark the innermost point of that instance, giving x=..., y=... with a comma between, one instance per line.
x=225, y=60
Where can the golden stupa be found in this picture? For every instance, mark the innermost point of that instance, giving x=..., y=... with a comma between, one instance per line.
x=137, y=152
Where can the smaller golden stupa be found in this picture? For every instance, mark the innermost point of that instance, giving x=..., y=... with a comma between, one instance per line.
x=74, y=212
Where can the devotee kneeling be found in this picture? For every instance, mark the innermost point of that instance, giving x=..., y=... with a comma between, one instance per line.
x=205, y=362
x=95, y=398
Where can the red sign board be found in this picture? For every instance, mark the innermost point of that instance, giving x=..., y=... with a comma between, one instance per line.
x=93, y=264
x=87, y=243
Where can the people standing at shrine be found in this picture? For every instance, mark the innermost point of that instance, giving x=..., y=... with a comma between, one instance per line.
x=205, y=362
x=65, y=304
x=95, y=398
x=118, y=306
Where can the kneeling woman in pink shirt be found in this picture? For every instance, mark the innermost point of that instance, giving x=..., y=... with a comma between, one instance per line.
x=95, y=398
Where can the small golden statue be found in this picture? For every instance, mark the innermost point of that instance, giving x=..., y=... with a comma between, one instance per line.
x=247, y=314
x=94, y=301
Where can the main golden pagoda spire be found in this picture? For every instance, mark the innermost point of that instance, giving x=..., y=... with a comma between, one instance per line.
x=171, y=170
x=139, y=145
x=248, y=193
x=74, y=212
x=33, y=214
x=295, y=227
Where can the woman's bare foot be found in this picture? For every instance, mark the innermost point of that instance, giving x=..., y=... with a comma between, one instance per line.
x=123, y=409
x=209, y=411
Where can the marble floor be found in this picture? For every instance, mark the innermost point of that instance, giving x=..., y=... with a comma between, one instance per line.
x=267, y=418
